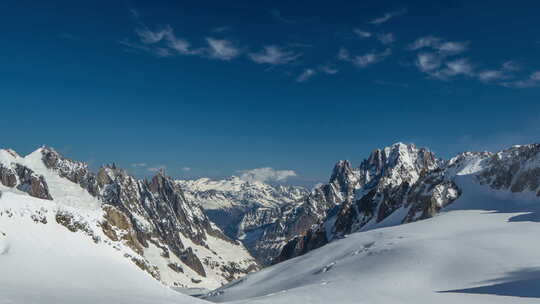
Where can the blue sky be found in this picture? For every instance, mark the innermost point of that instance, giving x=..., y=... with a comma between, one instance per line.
x=212, y=89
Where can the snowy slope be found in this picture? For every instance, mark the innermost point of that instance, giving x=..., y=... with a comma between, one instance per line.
x=164, y=234
x=483, y=248
x=43, y=262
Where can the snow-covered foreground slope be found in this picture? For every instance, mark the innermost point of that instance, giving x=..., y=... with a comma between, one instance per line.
x=47, y=263
x=483, y=248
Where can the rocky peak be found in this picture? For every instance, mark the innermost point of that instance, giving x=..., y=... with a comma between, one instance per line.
x=396, y=164
x=343, y=175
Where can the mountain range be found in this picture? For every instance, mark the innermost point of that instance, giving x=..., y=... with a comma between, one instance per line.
x=210, y=234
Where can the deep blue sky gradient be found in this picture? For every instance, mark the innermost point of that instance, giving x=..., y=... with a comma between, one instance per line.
x=67, y=81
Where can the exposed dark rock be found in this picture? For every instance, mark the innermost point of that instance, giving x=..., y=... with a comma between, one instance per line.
x=175, y=267
x=8, y=176
x=193, y=262
x=25, y=180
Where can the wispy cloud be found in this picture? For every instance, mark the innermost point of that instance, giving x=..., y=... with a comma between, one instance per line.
x=329, y=69
x=362, y=34
x=180, y=45
x=511, y=65
x=306, y=75
x=161, y=42
x=491, y=75
x=461, y=66
x=386, y=17
x=386, y=38
x=427, y=62
x=154, y=50
x=148, y=36
x=494, y=75
x=533, y=80
x=222, y=49
x=433, y=65
x=424, y=42
x=221, y=29
x=139, y=165
x=435, y=57
x=186, y=169
x=274, y=55
x=266, y=174
x=365, y=60
x=443, y=47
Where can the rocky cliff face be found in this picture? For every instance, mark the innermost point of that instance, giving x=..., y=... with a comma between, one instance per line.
x=402, y=183
x=173, y=239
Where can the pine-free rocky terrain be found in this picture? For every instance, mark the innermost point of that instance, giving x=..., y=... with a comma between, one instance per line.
x=402, y=227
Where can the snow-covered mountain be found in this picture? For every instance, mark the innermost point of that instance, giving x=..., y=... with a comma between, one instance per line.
x=245, y=210
x=44, y=262
x=147, y=222
x=403, y=183
x=404, y=226
x=416, y=229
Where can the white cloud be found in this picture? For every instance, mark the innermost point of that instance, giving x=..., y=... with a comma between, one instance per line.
x=437, y=61
x=161, y=42
x=386, y=17
x=344, y=54
x=222, y=49
x=329, y=69
x=273, y=55
x=386, y=38
x=365, y=60
x=432, y=64
x=452, y=47
x=491, y=75
x=504, y=72
x=428, y=62
x=532, y=81
x=444, y=47
x=221, y=29
x=180, y=45
x=186, y=169
x=306, y=75
x=266, y=174
x=460, y=66
x=148, y=36
x=510, y=65
x=139, y=165
x=362, y=34
x=422, y=42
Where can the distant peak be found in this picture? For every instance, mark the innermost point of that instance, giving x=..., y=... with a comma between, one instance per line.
x=11, y=152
